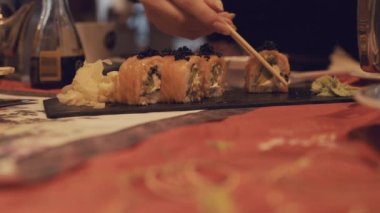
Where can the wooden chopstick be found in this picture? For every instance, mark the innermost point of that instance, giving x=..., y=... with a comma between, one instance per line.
x=252, y=52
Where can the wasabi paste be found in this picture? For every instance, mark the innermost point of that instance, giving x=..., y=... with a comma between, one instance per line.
x=328, y=86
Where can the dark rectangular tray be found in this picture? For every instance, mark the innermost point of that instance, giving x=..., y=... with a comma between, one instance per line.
x=235, y=98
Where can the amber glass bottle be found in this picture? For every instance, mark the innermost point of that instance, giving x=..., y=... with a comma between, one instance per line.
x=57, y=51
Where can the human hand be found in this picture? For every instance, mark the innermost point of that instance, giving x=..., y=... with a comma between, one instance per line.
x=188, y=18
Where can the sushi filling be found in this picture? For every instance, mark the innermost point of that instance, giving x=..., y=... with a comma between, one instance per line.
x=216, y=75
x=152, y=85
x=265, y=81
x=194, y=89
x=265, y=77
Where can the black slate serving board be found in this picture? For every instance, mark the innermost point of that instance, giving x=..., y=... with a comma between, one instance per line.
x=234, y=98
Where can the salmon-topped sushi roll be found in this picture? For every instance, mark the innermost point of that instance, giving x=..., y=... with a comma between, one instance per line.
x=181, y=79
x=213, y=70
x=140, y=79
x=259, y=79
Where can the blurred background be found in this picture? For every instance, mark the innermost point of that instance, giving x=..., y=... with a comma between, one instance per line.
x=107, y=29
x=133, y=31
x=308, y=32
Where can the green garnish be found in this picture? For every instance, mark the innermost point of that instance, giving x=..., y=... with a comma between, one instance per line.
x=328, y=86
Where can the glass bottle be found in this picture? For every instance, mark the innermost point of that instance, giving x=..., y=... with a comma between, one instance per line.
x=57, y=51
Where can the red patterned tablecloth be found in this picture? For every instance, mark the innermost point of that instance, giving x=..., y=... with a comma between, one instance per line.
x=308, y=158
x=16, y=87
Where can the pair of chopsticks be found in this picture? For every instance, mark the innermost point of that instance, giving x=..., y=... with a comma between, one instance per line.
x=13, y=102
x=252, y=52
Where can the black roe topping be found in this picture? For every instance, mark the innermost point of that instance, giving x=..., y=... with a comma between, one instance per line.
x=208, y=50
x=183, y=53
x=149, y=52
x=268, y=45
x=167, y=52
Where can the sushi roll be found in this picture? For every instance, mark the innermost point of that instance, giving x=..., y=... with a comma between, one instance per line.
x=140, y=79
x=181, y=78
x=260, y=80
x=213, y=69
